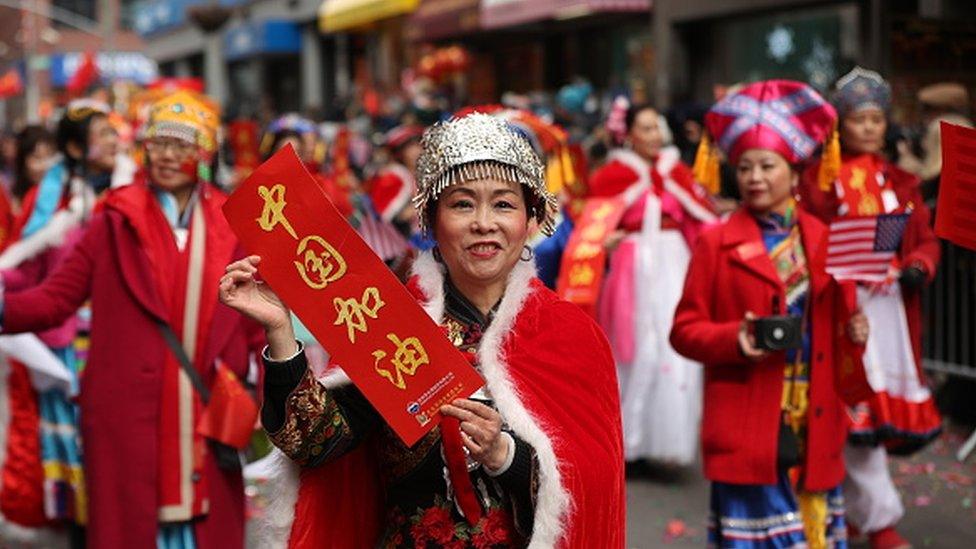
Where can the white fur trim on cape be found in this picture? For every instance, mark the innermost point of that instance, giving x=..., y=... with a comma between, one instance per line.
x=282, y=485
x=639, y=166
x=666, y=161
x=552, y=501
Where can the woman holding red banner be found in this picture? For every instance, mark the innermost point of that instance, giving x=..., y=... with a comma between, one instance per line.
x=901, y=418
x=534, y=459
x=774, y=425
x=150, y=261
x=664, y=210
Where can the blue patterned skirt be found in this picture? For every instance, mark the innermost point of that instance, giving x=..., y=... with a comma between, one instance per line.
x=752, y=516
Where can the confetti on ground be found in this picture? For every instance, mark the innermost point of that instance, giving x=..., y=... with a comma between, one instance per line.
x=675, y=529
x=923, y=501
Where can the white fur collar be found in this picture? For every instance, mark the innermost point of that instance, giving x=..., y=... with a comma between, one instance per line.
x=552, y=502
x=665, y=163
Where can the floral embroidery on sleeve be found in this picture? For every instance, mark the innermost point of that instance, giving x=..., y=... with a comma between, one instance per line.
x=315, y=428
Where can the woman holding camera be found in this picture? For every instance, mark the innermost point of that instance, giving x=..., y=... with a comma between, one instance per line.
x=759, y=311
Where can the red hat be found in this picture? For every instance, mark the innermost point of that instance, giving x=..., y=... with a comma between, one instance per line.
x=784, y=116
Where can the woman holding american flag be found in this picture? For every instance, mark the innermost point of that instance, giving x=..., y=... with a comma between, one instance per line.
x=873, y=198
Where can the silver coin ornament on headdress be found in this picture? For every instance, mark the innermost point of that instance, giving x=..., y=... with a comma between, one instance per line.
x=476, y=147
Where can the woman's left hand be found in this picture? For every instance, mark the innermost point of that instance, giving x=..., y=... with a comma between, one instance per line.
x=857, y=328
x=481, y=429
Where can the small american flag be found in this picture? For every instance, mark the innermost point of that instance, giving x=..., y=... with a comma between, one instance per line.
x=382, y=238
x=862, y=248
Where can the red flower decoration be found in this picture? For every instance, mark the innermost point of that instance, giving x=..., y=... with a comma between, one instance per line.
x=496, y=528
x=435, y=525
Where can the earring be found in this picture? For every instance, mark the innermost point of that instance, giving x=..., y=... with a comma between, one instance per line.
x=531, y=254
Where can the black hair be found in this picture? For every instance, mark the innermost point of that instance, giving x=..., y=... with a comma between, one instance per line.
x=280, y=136
x=27, y=140
x=535, y=207
x=633, y=111
x=74, y=129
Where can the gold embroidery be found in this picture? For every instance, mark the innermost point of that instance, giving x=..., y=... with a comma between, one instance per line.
x=314, y=427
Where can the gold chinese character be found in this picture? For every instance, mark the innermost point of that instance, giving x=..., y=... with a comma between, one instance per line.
x=858, y=177
x=603, y=212
x=595, y=233
x=321, y=264
x=868, y=205
x=353, y=313
x=409, y=355
x=587, y=250
x=273, y=212
x=581, y=275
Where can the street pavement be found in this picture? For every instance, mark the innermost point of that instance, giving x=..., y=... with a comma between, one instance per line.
x=668, y=508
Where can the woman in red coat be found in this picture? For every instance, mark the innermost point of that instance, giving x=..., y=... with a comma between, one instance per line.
x=773, y=427
x=901, y=417
x=152, y=257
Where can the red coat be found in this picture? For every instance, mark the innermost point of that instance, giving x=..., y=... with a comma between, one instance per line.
x=731, y=273
x=919, y=245
x=121, y=386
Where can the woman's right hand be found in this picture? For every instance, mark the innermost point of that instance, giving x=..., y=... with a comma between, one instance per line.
x=747, y=342
x=240, y=290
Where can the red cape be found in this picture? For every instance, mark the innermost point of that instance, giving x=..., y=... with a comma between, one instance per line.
x=551, y=373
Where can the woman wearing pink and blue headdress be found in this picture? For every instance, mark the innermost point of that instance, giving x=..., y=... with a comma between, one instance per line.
x=773, y=424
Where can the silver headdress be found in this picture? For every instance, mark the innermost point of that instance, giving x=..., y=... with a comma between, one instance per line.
x=480, y=146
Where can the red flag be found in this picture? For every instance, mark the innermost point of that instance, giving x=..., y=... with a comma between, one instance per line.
x=11, y=84
x=85, y=76
x=955, y=216
x=231, y=413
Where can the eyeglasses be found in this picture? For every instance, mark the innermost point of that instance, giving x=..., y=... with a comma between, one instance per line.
x=181, y=149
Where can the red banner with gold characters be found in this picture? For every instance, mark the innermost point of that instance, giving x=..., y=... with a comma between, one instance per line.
x=584, y=261
x=244, y=144
x=350, y=301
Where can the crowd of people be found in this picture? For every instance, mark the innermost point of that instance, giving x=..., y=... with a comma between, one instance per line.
x=127, y=301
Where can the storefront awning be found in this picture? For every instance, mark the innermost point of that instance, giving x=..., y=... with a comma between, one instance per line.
x=506, y=13
x=261, y=38
x=438, y=19
x=339, y=15
x=134, y=66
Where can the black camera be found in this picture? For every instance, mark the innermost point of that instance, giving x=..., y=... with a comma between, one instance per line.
x=778, y=333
